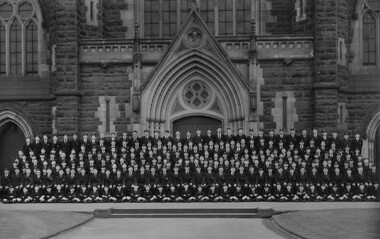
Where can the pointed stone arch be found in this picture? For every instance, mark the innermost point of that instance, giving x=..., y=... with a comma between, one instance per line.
x=15, y=115
x=160, y=95
x=370, y=136
x=193, y=55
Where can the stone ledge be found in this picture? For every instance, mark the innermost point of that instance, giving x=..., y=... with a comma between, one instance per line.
x=265, y=212
x=102, y=213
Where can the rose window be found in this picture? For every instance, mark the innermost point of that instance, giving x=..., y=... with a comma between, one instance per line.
x=196, y=94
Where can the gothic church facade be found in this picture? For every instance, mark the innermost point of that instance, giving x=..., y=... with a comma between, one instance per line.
x=96, y=66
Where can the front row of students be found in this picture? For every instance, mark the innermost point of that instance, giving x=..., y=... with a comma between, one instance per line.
x=277, y=192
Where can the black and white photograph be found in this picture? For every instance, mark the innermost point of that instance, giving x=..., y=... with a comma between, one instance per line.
x=183, y=119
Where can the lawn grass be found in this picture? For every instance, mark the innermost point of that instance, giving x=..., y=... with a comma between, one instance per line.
x=342, y=223
x=37, y=224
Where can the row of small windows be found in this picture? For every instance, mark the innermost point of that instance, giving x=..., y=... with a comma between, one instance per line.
x=18, y=39
x=169, y=12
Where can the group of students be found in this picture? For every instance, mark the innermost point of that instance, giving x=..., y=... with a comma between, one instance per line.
x=202, y=168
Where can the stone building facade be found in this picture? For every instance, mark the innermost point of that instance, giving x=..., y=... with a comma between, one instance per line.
x=96, y=66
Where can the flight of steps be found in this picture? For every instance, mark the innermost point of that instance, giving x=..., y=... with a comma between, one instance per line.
x=183, y=213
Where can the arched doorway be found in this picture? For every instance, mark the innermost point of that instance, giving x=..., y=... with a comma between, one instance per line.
x=11, y=141
x=193, y=122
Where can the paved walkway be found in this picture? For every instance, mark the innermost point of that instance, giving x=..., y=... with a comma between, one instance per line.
x=183, y=228
x=277, y=206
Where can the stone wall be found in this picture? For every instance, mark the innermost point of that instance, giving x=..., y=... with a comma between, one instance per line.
x=65, y=36
x=97, y=82
x=361, y=108
x=326, y=85
x=36, y=113
x=112, y=21
x=295, y=79
x=90, y=29
x=277, y=18
x=303, y=25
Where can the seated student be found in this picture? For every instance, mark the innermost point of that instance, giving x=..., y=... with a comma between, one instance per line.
x=95, y=195
x=348, y=193
x=148, y=194
x=252, y=194
x=5, y=182
x=59, y=194
x=267, y=193
x=377, y=191
x=11, y=196
x=186, y=193
x=120, y=195
x=135, y=193
x=25, y=195
x=200, y=195
x=72, y=195
x=107, y=196
x=173, y=195
x=361, y=193
x=27, y=179
x=37, y=194
x=160, y=193
x=278, y=193
x=49, y=195
x=225, y=194
x=212, y=193
x=313, y=193
x=83, y=194
x=175, y=178
x=301, y=194
x=289, y=192
x=198, y=178
x=371, y=193
x=323, y=193
x=238, y=193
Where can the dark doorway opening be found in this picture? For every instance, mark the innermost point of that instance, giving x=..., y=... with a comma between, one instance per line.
x=12, y=140
x=192, y=123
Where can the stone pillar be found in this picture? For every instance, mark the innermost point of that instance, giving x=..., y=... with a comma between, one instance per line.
x=65, y=38
x=326, y=85
x=135, y=99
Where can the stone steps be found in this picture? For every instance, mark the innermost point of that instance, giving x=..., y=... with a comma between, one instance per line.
x=184, y=213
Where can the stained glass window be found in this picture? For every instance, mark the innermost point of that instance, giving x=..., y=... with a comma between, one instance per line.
x=225, y=17
x=243, y=17
x=369, y=39
x=2, y=50
x=25, y=10
x=151, y=18
x=196, y=94
x=169, y=13
x=31, y=48
x=6, y=10
x=207, y=13
x=185, y=9
x=16, y=48
x=21, y=32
